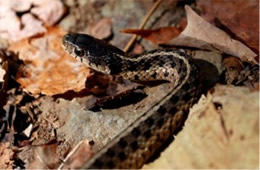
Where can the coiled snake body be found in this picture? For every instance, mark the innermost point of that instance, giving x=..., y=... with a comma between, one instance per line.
x=136, y=144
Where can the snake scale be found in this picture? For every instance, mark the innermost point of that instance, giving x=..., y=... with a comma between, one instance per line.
x=138, y=142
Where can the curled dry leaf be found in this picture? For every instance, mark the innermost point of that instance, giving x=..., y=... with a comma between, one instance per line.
x=14, y=28
x=102, y=29
x=49, y=11
x=49, y=69
x=201, y=34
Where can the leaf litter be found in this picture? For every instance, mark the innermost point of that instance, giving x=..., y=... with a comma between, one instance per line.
x=48, y=12
x=49, y=69
x=236, y=21
x=6, y=156
x=199, y=34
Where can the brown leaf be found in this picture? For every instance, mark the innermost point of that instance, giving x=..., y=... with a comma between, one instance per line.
x=102, y=29
x=233, y=68
x=49, y=69
x=6, y=156
x=78, y=156
x=238, y=17
x=201, y=34
x=157, y=36
x=44, y=157
x=138, y=49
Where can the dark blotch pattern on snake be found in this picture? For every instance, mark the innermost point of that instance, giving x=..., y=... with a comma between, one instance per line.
x=137, y=143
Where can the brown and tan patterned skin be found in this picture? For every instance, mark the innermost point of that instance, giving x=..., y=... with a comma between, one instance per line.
x=137, y=143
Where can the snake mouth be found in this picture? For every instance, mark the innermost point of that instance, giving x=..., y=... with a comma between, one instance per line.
x=64, y=41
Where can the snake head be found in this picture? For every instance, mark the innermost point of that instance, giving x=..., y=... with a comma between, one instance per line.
x=94, y=53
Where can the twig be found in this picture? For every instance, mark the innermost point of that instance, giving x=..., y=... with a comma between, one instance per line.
x=40, y=159
x=148, y=15
x=69, y=154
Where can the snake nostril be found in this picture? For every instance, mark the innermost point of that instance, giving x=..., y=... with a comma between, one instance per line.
x=65, y=37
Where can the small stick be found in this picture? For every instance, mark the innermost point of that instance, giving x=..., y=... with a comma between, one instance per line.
x=148, y=15
x=69, y=154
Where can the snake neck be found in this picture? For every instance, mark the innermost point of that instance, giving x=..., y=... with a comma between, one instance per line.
x=169, y=65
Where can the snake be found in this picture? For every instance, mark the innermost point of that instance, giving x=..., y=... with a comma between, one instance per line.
x=136, y=144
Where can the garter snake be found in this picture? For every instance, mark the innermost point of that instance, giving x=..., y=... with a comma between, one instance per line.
x=137, y=143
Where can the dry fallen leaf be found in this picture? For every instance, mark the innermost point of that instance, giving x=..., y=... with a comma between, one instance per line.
x=6, y=156
x=102, y=29
x=78, y=156
x=233, y=67
x=27, y=25
x=198, y=33
x=236, y=16
x=201, y=34
x=157, y=36
x=44, y=157
x=14, y=30
x=49, y=11
x=219, y=129
x=138, y=49
x=49, y=69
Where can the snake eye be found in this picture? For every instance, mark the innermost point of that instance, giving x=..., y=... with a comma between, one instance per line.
x=78, y=52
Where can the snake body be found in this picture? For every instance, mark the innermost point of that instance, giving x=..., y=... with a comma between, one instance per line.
x=137, y=143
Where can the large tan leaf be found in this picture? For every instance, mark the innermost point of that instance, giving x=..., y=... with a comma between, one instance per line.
x=203, y=35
